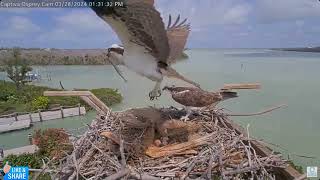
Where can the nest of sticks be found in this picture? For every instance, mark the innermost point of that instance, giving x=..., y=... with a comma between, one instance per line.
x=150, y=143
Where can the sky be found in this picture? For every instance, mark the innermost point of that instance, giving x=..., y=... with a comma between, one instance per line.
x=214, y=24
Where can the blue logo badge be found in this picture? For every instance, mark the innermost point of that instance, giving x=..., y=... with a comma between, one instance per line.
x=312, y=171
x=17, y=173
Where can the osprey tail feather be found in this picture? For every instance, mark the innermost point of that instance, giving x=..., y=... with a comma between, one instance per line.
x=228, y=94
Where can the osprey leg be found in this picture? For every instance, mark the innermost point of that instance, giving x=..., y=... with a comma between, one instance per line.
x=156, y=92
x=189, y=112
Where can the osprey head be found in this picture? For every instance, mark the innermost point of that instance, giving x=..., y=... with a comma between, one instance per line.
x=115, y=53
x=167, y=88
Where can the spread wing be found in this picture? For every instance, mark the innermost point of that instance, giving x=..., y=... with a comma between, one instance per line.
x=177, y=34
x=137, y=23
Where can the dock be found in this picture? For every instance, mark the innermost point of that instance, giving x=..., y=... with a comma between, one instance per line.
x=21, y=150
x=16, y=125
x=18, y=121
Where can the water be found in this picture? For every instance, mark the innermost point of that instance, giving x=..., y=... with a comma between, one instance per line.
x=286, y=77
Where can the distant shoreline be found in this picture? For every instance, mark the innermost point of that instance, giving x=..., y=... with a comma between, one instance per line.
x=52, y=56
x=304, y=49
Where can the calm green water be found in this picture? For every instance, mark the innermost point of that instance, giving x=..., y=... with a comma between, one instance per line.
x=286, y=77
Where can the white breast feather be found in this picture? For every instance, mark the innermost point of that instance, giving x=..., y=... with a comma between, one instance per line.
x=136, y=57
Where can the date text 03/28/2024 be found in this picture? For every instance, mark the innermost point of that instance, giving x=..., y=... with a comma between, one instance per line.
x=60, y=4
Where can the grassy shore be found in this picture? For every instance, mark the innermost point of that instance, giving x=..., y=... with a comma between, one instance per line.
x=30, y=98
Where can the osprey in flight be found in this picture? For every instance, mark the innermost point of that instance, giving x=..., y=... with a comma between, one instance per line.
x=195, y=97
x=148, y=47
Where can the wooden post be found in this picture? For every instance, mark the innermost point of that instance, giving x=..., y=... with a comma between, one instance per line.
x=30, y=116
x=62, y=114
x=30, y=138
x=16, y=116
x=79, y=107
x=40, y=116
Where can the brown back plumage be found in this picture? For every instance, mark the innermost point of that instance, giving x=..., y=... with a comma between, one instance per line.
x=195, y=97
x=145, y=23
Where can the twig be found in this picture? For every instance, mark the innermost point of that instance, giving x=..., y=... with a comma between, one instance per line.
x=249, y=150
x=193, y=163
x=76, y=164
x=45, y=166
x=118, y=175
x=123, y=158
x=220, y=157
x=61, y=85
x=258, y=113
x=209, y=171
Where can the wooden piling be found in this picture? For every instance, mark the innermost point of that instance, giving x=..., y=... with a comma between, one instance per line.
x=30, y=116
x=62, y=114
x=40, y=116
x=79, y=106
x=16, y=116
x=30, y=138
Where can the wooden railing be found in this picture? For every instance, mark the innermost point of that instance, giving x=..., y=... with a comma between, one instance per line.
x=15, y=114
x=86, y=96
x=43, y=114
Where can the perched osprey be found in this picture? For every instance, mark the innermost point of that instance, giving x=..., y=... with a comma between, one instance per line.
x=149, y=47
x=195, y=97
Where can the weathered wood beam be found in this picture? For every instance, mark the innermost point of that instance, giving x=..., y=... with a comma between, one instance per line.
x=241, y=86
x=99, y=103
x=67, y=93
x=180, y=148
x=90, y=103
x=86, y=96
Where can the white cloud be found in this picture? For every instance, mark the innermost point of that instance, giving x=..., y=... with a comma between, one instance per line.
x=206, y=13
x=16, y=10
x=85, y=20
x=282, y=10
x=79, y=26
x=205, y=16
x=299, y=23
x=24, y=11
x=237, y=14
x=18, y=26
x=22, y=24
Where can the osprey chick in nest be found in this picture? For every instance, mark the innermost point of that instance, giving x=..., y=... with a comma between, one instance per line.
x=195, y=97
x=149, y=47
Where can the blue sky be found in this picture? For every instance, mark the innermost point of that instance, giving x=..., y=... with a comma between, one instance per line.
x=215, y=24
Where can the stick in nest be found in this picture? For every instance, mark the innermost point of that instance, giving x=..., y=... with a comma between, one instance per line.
x=258, y=113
